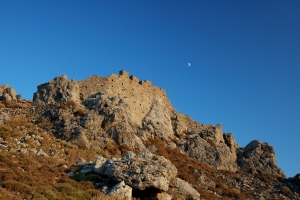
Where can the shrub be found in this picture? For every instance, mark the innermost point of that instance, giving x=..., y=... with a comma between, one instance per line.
x=103, y=196
x=5, y=132
x=112, y=147
x=16, y=133
x=17, y=105
x=17, y=186
x=4, y=193
x=6, y=102
x=79, y=112
x=19, y=120
x=286, y=191
x=86, y=177
x=70, y=102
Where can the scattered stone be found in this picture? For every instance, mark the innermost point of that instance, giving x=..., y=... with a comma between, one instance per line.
x=122, y=191
x=41, y=153
x=164, y=196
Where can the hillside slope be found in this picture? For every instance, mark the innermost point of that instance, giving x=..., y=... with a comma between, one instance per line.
x=76, y=135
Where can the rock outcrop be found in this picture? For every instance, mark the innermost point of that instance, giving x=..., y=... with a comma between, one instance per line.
x=60, y=89
x=89, y=113
x=7, y=93
x=258, y=157
x=141, y=171
x=118, y=114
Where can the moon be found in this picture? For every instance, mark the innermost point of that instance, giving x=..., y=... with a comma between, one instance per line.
x=189, y=64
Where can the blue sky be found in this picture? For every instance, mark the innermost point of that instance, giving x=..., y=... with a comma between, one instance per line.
x=244, y=55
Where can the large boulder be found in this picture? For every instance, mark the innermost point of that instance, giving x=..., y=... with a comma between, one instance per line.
x=60, y=89
x=7, y=93
x=140, y=171
x=184, y=188
x=258, y=157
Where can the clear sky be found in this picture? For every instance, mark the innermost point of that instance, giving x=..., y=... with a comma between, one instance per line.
x=244, y=56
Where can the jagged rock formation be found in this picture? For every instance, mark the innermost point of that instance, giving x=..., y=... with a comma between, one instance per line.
x=258, y=157
x=129, y=111
x=118, y=114
x=60, y=89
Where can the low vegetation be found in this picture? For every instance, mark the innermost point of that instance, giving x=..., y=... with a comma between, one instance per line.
x=27, y=176
x=14, y=104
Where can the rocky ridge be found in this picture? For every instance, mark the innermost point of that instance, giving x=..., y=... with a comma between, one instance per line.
x=120, y=114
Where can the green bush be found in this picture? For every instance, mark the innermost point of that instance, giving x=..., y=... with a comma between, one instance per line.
x=49, y=194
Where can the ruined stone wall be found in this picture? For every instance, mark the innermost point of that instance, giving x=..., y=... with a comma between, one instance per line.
x=139, y=95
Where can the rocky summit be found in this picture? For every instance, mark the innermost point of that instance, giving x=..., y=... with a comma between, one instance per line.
x=120, y=138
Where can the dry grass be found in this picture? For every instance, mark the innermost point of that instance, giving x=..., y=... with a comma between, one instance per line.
x=12, y=104
x=17, y=105
x=68, y=103
x=268, y=178
x=79, y=112
x=5, y=131
x=4, y=193
x=103, y=196
x=29, y=176
x=112, y=148
x=19, y=120
x=6, y=102
x=286, y=191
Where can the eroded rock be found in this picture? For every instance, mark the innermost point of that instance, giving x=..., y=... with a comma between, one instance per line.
x=121, y=190
x=182, y=187
x=60, y=89
x=140, y=171
x=7, y=93
x=258, y=157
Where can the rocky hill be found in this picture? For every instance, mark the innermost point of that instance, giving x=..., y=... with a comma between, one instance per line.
x=121, y=137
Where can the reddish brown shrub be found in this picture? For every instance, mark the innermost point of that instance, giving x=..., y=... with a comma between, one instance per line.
x=19, y=120
x=7, y=102
x=112, y=148
x=286, y=191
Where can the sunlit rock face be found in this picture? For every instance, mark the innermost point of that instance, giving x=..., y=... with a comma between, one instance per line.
x=258, y=157
x=128, y=111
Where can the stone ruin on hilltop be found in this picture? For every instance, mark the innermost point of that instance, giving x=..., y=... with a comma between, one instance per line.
x=121, y=109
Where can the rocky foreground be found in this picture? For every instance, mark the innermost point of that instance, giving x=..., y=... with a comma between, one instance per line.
x=121, y=137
